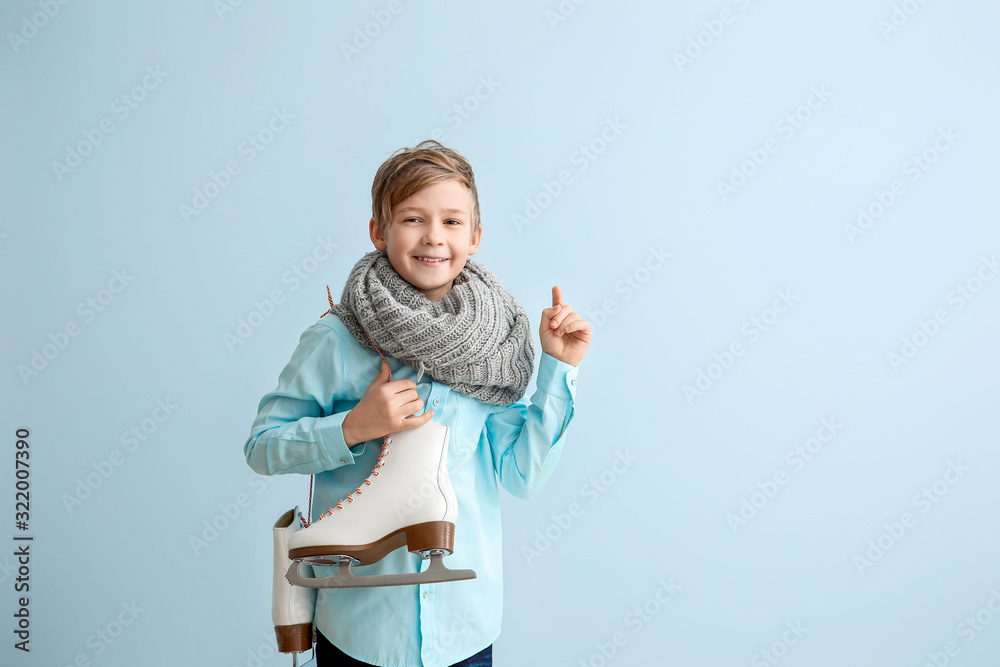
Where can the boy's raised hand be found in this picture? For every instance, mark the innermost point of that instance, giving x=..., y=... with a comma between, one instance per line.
x=564, y=334
x=386, y=407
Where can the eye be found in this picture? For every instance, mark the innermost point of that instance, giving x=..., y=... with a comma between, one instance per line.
x=456, y=222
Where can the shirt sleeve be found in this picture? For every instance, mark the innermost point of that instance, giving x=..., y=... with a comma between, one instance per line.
x=527, y=439
x=296, y=430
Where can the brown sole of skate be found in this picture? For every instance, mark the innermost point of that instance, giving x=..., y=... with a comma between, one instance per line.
x=433, y=540
x=294, y=638
x=431, y=535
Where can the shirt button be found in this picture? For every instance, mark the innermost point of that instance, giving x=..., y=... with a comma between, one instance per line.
x=426, y=593
x=437, y=402
x=343, y=459
x=573, y=382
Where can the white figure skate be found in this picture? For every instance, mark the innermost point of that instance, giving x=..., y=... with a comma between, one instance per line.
x=291, y=607
x=407, y=501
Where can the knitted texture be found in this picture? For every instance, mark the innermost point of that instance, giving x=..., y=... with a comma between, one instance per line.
x=476, y=339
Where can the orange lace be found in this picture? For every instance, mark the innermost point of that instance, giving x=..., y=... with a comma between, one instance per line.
x=381, y=457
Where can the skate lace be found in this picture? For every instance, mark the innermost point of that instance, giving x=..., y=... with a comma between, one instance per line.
x=383, y=455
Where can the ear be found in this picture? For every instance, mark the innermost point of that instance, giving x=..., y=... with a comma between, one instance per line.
x=376, y=235
x=476, y=239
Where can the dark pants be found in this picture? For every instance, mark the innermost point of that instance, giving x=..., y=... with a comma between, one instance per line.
x=328, y=655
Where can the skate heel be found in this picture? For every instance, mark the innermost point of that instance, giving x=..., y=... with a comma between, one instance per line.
x=294, y=638
x=431, y=535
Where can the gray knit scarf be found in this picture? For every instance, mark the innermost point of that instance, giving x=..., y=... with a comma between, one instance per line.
x=477, y=339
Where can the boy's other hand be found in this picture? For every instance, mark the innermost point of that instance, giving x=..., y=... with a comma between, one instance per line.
x=564, y=334
x=387, y=406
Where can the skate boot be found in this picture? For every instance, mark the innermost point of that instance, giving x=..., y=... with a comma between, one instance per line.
x=291, y=607
x=407, y=500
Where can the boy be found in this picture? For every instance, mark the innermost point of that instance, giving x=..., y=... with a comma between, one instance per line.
x=458, y=343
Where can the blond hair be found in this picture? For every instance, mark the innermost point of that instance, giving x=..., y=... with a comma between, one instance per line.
x=409, y=170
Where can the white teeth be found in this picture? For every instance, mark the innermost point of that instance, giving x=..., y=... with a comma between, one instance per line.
x=431, y=259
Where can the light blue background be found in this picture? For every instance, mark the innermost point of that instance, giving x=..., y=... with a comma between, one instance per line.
x=554, y=86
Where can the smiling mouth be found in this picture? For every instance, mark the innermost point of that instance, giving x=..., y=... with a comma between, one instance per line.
x=431, y=260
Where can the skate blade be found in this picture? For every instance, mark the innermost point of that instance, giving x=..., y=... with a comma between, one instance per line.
x=435, y=573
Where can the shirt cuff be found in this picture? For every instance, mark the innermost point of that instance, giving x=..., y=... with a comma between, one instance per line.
x=329, y=434
x=556, y=377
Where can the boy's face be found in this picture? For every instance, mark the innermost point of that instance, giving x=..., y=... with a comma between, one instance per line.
x=430, y=236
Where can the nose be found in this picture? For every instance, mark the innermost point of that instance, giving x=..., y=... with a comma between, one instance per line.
x=433, y=234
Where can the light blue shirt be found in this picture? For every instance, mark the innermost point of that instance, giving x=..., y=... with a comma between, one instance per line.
x=299, y=430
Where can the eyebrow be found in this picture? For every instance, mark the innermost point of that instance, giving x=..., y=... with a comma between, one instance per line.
x=420, y=210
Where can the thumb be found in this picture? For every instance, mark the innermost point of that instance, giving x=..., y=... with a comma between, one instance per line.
x=413, y=421
x=384, y=373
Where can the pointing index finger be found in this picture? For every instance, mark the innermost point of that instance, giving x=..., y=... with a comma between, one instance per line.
x=557, y=298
